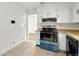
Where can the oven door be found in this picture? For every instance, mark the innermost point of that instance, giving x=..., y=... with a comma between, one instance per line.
x=48, y=36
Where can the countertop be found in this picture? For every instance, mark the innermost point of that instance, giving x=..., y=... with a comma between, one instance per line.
x=71, y=32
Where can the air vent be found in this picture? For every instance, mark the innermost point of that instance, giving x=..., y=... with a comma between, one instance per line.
x=42, y=3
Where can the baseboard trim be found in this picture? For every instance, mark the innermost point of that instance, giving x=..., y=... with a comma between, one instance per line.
x=60, y=50
x=9, y=48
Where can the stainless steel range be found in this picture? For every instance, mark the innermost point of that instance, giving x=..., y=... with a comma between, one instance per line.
x=48, y=33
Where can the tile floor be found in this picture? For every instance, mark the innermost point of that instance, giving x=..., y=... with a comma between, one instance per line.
x=29, y=48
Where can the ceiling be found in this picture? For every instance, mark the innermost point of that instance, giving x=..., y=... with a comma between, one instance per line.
x=29, y=5
x=33, y=5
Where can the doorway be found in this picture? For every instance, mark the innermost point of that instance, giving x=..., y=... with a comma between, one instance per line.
x=32, y=26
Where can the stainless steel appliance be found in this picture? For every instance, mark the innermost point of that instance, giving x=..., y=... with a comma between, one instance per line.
x=49, y=31
x=49, y=19
x=71, y=46
x=49, y=34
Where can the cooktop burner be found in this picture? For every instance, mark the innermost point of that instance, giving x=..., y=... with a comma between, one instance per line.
x=48, y=30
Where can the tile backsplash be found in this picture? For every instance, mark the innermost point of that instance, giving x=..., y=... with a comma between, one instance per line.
x=63, y=25
x=69, y=25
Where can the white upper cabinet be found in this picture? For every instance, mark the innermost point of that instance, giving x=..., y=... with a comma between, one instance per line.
x=63, y=15
x=61, y=11
x=48, y=13
x=75, y=13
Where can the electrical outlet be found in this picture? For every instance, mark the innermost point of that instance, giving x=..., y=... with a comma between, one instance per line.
x=77, y=11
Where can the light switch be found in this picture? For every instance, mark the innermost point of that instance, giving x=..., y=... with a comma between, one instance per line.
x=22, y=26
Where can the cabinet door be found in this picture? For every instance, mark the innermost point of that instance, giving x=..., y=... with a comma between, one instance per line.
x=53, y=47
x=48, y=13
x=75, y=13
x=44, y=45
x=63, y=15
x=62, y=41
x=38, y=38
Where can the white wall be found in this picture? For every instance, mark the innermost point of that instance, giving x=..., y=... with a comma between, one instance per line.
x=32, y=11
x=11, y=34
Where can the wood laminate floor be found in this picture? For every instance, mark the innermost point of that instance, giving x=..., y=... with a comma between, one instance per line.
x=29, y=48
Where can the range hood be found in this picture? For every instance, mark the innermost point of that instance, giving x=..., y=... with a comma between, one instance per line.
x=49, y=20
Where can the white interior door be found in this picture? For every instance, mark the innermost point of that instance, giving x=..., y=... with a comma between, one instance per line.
x=32, y=24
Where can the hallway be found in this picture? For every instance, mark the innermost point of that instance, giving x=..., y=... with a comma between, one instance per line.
x=29, y=48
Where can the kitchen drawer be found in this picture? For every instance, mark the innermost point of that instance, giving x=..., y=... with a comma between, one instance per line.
x=53, y=48
x=43, y=45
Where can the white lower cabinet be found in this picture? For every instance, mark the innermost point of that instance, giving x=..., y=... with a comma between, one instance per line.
x=62, y=41
x=38, y=38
